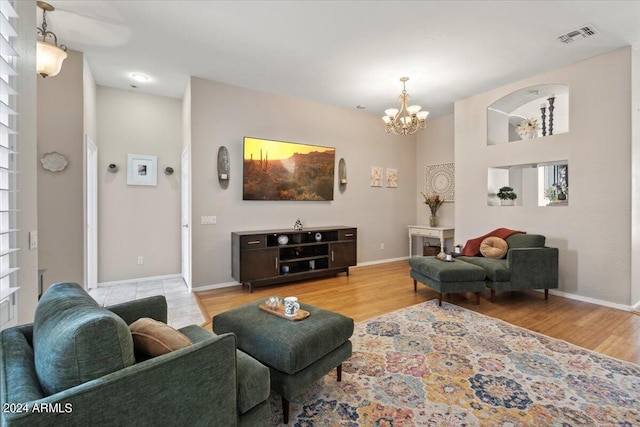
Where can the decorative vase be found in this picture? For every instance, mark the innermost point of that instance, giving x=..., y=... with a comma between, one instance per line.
x=433, y=220
x=562, y=195
x=507, y=202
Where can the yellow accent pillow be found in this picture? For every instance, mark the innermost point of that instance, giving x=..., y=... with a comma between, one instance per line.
x=156, y=338
x=494, y=247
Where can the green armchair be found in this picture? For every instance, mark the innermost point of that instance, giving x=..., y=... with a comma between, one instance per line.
x=75, y=366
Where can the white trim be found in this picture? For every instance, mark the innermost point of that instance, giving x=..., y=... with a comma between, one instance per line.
x=589, y=300
x=215, y=286
x=380, y=261
x=141, y=279
x=636, y=306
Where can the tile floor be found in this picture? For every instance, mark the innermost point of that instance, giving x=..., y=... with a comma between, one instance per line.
x=183, y=307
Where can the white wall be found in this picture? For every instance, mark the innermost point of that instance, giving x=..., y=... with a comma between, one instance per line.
x=60, y=194
x=223, y=114
x=434, y=146
x=138, y=220
x=593, y=232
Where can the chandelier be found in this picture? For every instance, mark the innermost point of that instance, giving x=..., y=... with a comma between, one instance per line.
x=49, y=55
x=407, y=120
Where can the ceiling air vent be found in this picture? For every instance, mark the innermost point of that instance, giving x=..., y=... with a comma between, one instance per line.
x=578, y=34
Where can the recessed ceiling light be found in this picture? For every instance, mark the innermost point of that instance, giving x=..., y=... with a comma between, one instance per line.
x=361, y=107
x=139, y=77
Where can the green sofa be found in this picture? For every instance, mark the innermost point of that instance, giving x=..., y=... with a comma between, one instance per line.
x=529, y=264
x=76, y=366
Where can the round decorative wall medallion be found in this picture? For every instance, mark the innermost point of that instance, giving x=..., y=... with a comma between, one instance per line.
x=440, y=179
x=54, y=162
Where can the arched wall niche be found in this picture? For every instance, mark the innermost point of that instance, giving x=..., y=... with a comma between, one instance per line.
x=546, y=104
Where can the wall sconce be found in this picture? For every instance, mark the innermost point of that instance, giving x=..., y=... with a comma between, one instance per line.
x=342, y=174
x=223, y=167
x=113, y=168
x=49, y=55
x=168, y=170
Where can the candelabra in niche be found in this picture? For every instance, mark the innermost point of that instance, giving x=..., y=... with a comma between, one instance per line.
x=551, y=100
x=543, y=109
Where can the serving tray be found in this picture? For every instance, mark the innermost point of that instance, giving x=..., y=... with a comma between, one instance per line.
x=300, y=315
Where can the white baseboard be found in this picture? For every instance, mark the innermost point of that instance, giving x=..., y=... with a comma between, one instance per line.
x=141, y=279
x=380, y=261
x=636, y=306
x=590, y=300
x=215, y=286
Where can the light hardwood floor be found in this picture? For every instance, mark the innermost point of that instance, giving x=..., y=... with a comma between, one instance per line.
x=374, y=290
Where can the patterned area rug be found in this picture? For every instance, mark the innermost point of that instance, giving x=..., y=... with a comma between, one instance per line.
x=447, y=366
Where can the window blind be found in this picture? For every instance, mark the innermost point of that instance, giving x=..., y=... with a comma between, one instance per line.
x=8, y=164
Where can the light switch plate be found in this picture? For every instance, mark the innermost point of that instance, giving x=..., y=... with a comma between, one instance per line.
x=33, y=240
x=208, y=220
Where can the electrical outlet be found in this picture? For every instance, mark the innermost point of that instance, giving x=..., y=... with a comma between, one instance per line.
x=381, y=246
x=140, y=260
x=33, y=240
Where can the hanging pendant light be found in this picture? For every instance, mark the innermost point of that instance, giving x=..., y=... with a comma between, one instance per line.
x=49, y=56
x=409, y=119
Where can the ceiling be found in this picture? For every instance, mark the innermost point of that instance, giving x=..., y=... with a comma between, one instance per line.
x=342, y=53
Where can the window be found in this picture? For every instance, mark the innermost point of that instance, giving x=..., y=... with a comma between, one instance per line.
x=8, y=165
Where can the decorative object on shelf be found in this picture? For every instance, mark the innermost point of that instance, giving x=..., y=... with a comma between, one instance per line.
x=312, y=264
x=528, y=129
x=49, y=55
x=551, y=100
x=543, y=109
x=407, y=120
x=434, y=202
x=507, y=196
x=113, y=168
x=556, y=193
x=283, y=239
x=285, y=269
x=342, y=174
x=440, y=179
x=168, y=170
x=375, y=179
x=142, y=170
x=54, y=162
x=223, y=167
x=298, y=225
x=392, y=178
x=318, y=236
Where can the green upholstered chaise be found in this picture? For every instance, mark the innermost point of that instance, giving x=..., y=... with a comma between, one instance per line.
x=76, y=366
x=529, y=264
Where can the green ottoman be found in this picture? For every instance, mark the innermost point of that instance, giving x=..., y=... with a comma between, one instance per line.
x=447, y=277
x=297, y=353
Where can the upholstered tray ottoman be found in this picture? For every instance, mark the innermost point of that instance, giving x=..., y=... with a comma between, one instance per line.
x=447, y=277
x=297, y=353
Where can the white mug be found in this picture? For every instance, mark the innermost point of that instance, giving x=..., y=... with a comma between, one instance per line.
x=291, y=306
x=448, y=258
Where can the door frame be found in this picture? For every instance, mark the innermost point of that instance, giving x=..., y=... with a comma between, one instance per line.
x=185, y=216
x=90, y=184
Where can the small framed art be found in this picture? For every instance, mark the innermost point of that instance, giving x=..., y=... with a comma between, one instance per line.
x=142, y=170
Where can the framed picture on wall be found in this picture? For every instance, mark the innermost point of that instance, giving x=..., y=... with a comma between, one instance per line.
x=142, y=169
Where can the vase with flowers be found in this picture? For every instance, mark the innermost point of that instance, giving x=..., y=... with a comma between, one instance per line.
x=528, y=129
x=434, y=202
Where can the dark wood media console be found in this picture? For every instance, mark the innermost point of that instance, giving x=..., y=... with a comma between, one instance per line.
x=260, y=258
